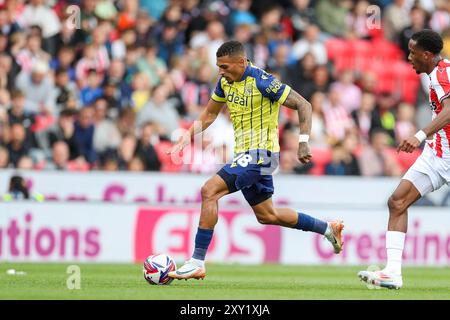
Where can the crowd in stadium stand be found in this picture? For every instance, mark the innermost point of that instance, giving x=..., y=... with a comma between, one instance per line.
x=104, y=84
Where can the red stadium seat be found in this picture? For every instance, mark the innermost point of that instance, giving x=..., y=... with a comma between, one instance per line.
x=362, y=52
x=320, y=159
x=335, y=47
x=386, y=51
x=167, y=164
x=408, y=81
x=406, y=160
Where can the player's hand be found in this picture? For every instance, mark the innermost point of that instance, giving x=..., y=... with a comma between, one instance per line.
x=408, y=145
x=183, y=141
x=304, y=154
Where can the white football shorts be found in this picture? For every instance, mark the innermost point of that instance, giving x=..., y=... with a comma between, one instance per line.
x=429, y=172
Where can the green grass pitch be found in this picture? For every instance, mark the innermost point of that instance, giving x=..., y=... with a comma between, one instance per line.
x=223, y=282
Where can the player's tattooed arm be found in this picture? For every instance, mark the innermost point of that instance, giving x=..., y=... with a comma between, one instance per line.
x=295, y=101
x=442, y=119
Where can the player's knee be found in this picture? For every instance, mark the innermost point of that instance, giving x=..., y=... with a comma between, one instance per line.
x=397, y=205
x=266, y=218
x=208, y=193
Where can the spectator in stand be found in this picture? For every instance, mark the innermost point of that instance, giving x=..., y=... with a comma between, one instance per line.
x=288, y=157
x=376, y=159
x=4, y=157
x=144, y=28
x=369, y=82
x=337, y=118
x=116, y=75
x=332, y=15
x=109, y=162
x=418, y=18
x=350, y=93
x=404, y=125
x=365, y=117
x=106, y=135
x=64, y=130
x=145, y=149
x=385, y=105
x=440, y=18
x=65, y=61
x=25, y=163
x=136, y=164
x=60, y=159
x=395, y=19
x=243, y=32
x=196, y=92
x=126, y=151
x=280, y=61
x=161, y=111
x=32, y=53
x=38, y=13
x=310, y=42
x=301, y=15
x=126, y=123
x=19, y=144
x=342, y=163
x=300, y=77
x=85, y=64
x=211, y=39
x=8, y=71
x=152, y=65
x=84, y=134
x=142, y=87
x=38, y=88
x=7, y=24
x=65, y=89
x=357, y=20
x=241, y=14
x=92, y=90
x=17, y=112
x=170, y=42
x=318, y=137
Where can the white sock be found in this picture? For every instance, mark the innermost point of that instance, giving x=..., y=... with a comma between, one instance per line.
x=197, y=262
x=395, y=242
x=328, y=231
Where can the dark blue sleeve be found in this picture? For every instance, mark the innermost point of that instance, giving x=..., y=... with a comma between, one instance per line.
x=271, y=87
x=218, y=94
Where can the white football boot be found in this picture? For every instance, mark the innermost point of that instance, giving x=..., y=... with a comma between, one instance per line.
x=189, y=270
x=333, y=234
x=381, y=278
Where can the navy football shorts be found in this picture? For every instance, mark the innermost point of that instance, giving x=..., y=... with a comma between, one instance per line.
x=251, y=173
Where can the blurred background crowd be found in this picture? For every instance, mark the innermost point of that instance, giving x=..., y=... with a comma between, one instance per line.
x=103, y=85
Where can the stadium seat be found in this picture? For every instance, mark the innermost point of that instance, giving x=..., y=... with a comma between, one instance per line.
x=320, y=159
x=386, y=51
x=362, y=52
x=406, y=160
x=167, y=164
x=335, y=47
x=407, y=81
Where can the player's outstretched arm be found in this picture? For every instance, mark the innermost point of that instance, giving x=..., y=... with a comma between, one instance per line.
x=441, y=120
x=208, y=115
x=295, y=101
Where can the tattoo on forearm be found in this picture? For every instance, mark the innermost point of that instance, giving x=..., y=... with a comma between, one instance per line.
x=295, y=101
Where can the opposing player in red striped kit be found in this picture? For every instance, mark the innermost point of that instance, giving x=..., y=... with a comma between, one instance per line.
x=432, y=169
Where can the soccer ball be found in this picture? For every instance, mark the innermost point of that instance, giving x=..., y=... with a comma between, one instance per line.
x=157, y=268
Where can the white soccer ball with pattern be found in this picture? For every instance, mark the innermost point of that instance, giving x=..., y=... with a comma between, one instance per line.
x=157, y=268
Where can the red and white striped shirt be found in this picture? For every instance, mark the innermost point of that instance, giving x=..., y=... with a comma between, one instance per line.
x=439, y=90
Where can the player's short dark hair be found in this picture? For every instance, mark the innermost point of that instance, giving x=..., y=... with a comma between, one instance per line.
x=429, y=40
x=230, y=48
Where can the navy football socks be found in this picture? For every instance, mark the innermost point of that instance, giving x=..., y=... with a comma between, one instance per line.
x=202, y=241
x=308, y=223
